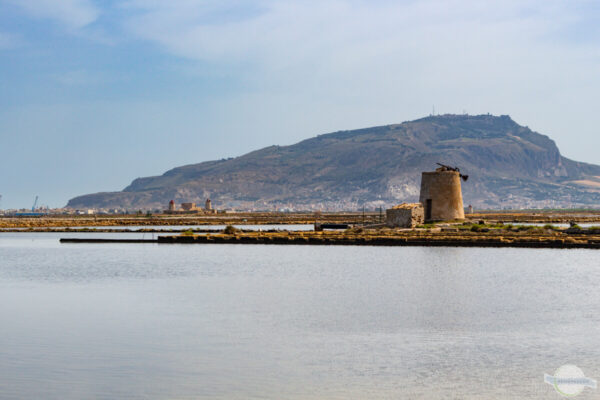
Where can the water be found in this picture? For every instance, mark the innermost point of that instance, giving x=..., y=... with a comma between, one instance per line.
x=149, y=321
x=290, y=227
x=558, y=224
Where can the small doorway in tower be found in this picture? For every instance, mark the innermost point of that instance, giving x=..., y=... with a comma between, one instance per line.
x=428, y=210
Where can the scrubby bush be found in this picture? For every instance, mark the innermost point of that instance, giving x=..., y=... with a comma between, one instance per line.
x=476, y=228
x=426, y=226
x=189, y=232
x=527, y=227
x=230, y=230
x=354, y=231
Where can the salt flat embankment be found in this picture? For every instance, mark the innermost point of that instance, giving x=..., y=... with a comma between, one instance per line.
x=275, y=218
x=193, y=219
x=539, y=238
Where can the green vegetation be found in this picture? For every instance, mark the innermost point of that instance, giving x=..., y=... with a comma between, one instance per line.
x=521, y=228
x=189, y=232
x=477, y=227
x=536, y=210
x=354, y=230
x=230, y=230
x=505, y=227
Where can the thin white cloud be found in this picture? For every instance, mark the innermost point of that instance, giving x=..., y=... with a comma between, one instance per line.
x=343, y=37
x=72, y=13
x=371, y=60
x=350, y=46
x=197, y=29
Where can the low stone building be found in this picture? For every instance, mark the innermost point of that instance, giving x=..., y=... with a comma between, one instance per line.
x=188, y=206
x=405, y=215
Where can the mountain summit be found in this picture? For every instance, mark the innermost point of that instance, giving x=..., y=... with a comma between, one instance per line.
x=510, y=166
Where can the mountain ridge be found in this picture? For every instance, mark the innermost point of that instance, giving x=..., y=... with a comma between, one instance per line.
x=510, y=166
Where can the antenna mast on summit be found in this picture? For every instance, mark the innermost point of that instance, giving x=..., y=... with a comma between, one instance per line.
x=432, y=110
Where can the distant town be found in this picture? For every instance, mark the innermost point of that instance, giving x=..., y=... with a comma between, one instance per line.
x=172, y=208
x=192, y=208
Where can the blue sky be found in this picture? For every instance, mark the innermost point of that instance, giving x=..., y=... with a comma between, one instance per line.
x=96, y=93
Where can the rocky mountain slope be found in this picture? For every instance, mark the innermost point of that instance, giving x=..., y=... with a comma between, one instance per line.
x=509, y=165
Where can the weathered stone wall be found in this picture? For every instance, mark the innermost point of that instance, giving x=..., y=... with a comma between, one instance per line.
x=188, y=206
x=443, y=190
x=405, y=216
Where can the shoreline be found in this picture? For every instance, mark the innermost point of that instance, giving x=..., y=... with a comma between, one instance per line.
x=544, y=239
x=169, y=220
x=265, y=218
x=396, y=239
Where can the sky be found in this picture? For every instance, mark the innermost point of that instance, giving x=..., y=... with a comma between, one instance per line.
x=94, y=94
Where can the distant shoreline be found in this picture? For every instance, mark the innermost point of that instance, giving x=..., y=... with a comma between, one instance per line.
x=258, y=218
x=266, y=218
x=530, y=238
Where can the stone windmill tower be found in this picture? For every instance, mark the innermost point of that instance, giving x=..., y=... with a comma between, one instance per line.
x=441, y=194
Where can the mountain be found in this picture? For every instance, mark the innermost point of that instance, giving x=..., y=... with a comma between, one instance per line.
x=510, y=166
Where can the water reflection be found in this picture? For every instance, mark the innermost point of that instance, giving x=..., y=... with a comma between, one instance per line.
x=294, y=322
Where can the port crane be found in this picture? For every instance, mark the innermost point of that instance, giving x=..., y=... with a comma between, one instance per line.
x=35, y=203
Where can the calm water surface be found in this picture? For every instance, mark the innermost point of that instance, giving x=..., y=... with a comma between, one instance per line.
x=149, y=321
x=294, y=227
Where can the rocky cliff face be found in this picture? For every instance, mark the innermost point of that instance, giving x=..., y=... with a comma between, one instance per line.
x=509, y=166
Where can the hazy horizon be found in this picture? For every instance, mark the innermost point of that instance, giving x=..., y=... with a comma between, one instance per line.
x=95, y=94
